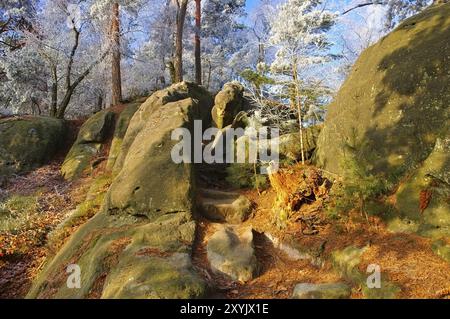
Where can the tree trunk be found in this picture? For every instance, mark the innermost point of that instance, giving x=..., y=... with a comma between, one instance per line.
x=299, y=107
x=116, y=78
x=261, y=53
x=172, y=72
x=198, y=25
x=209, y=74
x=54, y=103
x=70, y=89
x=99, y=106
x=65, y=102
x=181, y=16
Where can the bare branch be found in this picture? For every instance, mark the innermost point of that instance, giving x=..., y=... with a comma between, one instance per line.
x=361, y=5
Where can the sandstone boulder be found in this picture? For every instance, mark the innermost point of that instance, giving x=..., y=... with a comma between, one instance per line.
x=227, y=104
x=28, y=142
x=394, y=123
x=230, y=251
x=120, y=130
x=222, y=206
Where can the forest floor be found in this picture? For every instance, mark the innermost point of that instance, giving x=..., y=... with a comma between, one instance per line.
x=31, y=206
x=46, y=199
x=406, y=259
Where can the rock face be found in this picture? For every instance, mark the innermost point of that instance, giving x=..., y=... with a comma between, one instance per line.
x=395, y=121
x=150, y=182
x=222, y=206
x=28, y=142
x=230, y=251
x=321, y=291
x=91, y=136
x=139, y=245
x=201, y=100
x=227, y=104
x=119, y=132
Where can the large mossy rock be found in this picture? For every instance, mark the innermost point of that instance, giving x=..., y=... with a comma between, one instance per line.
x=139, y=245
x=28, y=142
x=394, y=116
x=227, y=104
x=347, y=263
x=395, y=121
x=125, y=257
x=202, y=101
x=150, y=182
x=93, y=133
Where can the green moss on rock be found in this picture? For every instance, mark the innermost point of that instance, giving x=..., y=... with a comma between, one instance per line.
x=202, y=104
x=432, y=177
x=119, y=132
x=395, y=121
x=93, y=133
x=28, y=142
x=395, y=115
x=150, y=183
x=347, y=261
x=95, y=129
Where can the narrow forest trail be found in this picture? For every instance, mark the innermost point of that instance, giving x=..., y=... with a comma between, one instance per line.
x=277, y=272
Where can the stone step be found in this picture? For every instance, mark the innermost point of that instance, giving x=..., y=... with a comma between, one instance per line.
x=221, y=206
x=230, y=251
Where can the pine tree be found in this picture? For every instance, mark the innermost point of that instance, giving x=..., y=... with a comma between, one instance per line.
x=299, y=33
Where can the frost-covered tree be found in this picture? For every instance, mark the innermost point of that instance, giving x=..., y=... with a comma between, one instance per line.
x=223, y=36
x=151, y=66
x=112, y=13
x=299, y=33
x=260, y=25
x=15, y=15
x=61, y=52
